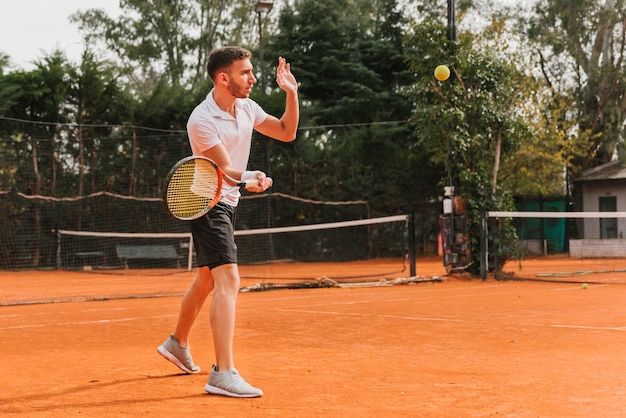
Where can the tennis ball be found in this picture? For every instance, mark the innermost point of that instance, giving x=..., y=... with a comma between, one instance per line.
x=442, y=72
x=585, y=285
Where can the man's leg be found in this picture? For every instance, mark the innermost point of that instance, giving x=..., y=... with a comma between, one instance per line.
x=224, y=379
x=223, y=308
x=192, y=303
x=176, y=347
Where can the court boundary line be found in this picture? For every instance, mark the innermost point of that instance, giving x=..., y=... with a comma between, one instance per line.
x=462, y=321
x=336, y=313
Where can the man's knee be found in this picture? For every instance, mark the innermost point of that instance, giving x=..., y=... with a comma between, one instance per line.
x=227, y=277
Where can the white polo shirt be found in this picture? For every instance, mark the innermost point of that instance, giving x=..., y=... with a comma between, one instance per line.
x=209, y=126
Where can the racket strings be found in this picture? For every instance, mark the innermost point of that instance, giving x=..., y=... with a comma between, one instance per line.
x=192, y=189
x=206, y=180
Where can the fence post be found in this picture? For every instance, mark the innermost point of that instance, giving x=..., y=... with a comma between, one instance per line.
x=58, y=250
x=411, y=220
x=484, y=250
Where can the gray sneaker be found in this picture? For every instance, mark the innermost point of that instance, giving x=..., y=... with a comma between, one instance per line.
x=230, y=383
x=178, y=355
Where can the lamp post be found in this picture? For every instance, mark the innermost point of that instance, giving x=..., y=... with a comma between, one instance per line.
x=262, y=7
x=451, y=20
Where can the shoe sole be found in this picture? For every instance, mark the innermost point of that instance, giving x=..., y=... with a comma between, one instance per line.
x=169, y=356
x=217, y=391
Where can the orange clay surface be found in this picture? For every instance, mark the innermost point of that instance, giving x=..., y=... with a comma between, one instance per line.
x=455, y=348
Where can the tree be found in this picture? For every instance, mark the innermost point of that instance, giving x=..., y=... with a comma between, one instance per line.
x=37, y=96
x=96, y=101
x=550, y=142
x=354, y=131
x=470, y=123
x=174, y=38
x=581, y=45
x=158, y=137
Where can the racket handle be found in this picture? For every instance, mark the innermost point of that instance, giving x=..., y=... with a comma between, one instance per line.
x=255, y=182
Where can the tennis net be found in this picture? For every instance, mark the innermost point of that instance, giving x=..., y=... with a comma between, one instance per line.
x=360, y=239
x=108, y=265
x=585, y=247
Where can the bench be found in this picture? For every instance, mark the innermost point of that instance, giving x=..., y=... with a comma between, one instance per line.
x=86, y=257
x=153, y=252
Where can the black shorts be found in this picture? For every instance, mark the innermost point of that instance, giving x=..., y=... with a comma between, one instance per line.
x=214, y=237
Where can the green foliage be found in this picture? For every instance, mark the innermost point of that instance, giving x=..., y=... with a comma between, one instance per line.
x=152, y=39
x=549, y=150
x=347, y=63
x=581, y=46
x=375, y=123
x=469, y=123
x=354, y=136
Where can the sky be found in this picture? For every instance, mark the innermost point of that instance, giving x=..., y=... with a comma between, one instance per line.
x=30, y=29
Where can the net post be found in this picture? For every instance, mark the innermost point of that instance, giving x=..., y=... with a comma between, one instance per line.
x=483, y=244
x=411, y=221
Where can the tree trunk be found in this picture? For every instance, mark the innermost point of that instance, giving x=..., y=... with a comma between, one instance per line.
x=133, y=178
x=496, y=161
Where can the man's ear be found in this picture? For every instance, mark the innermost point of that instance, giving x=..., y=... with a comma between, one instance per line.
x=223, y=78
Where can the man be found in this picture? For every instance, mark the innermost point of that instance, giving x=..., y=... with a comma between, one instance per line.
x=220, y=128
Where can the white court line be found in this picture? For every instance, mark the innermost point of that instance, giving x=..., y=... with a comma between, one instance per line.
x=98, y=321
x=410, y=318
x=425, y=319
x=422, y=296
x=588, y=327
x=316, y=297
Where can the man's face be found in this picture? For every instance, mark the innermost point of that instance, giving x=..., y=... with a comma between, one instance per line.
x=241, y=79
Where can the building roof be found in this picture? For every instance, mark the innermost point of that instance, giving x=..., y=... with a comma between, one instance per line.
x=614, y=170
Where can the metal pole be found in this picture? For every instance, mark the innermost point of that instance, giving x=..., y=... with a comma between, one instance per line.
x=484, y=246
x=58, y=254
x=261, y=63
x=261, y=8
x=412, y=261
x=263, y=91
x=451, y=20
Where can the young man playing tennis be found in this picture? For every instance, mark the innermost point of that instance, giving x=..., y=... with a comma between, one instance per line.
x=220, y=128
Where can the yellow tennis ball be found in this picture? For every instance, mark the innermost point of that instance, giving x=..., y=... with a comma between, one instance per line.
x=585, y=285
x=442, y=72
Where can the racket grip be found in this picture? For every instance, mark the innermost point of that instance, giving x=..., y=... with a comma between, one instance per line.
x=255, y=182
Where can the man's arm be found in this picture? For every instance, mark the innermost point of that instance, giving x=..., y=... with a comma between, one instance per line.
x=220, y=156
x=285, y=128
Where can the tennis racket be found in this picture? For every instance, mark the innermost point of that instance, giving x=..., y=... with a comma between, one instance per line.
x=194, y=186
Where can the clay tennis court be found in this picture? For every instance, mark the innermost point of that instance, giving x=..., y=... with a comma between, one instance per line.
x=450, y=348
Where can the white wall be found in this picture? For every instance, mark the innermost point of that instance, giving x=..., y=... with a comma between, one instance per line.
x=592, y=191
